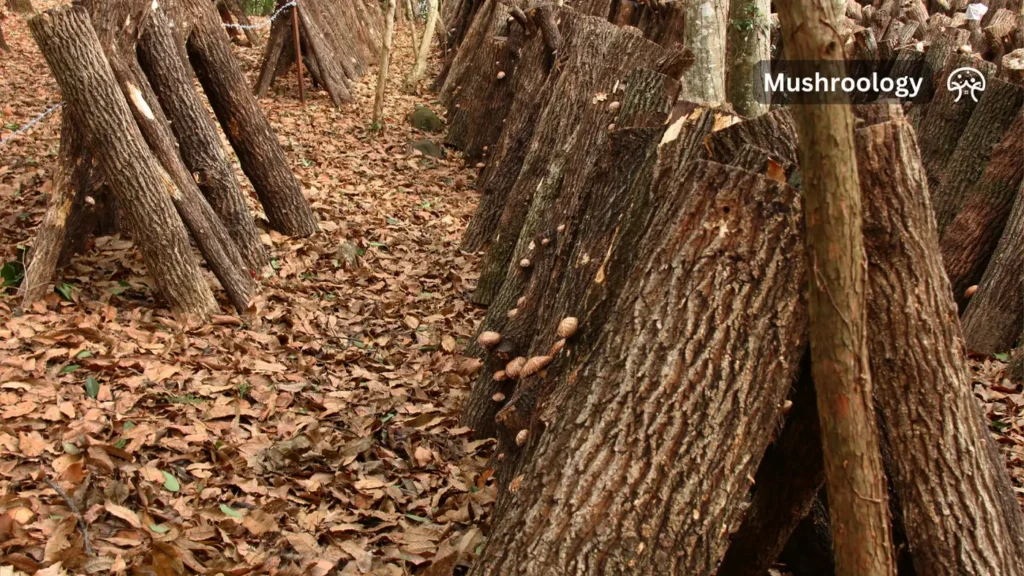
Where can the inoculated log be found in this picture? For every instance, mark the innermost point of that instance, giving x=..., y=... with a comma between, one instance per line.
x=243, y=19
x=647, y=468
x=996, y=109
x=971, y=238
x=246, y=127
x=531, y=90
x=959, y=510
x=593, y=60
x=144, y=190
x=279, y=40
x=330, y=72
x=774, y=131
x=198, y=141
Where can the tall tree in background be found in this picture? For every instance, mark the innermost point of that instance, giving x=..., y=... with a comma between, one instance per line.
x=385, y=60
x=857, y=495
x=749, y=43
x=414, y=77
x=704, y=33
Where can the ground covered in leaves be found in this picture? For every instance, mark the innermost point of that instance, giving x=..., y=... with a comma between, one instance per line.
x=316, y=433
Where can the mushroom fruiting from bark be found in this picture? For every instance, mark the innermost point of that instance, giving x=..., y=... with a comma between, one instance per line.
x=515, y=367
x=567, y=327
x=524, y=263
x=488, y=339
x=534, y=365
x=970, y=291
x=498, y=397
x=512, y=313
x=556, y=347
x=522, y=436
x=500, y=376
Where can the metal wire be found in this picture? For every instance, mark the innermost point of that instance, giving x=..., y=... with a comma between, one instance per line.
x=30, y=124
x=263, y=24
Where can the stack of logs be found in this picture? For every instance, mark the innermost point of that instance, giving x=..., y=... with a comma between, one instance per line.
x=139, y=152
x=647, y=314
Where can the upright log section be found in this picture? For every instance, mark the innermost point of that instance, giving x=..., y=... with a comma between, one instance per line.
x=143, y=189
x=246, y=127
x=199, y=143
x=959, y=510
x=647, y=467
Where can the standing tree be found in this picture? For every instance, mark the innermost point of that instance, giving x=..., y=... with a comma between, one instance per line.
x=749, y=43
x=420, y=67
x=704, y=33
x=385, y=60
x=857, y=494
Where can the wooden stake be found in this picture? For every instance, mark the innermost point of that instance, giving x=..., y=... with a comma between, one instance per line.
x=298, y=50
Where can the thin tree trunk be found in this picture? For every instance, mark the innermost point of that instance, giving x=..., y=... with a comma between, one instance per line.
x=280, y=37
x=407, y=6
x=3, y=41
x=385, y=62
x=836, y=259
x=420, y=67
x=647, y=466
x=248, y=130
x=749, y=44
x=199, y=143
x=705, y=33
x=243, y=19
x=144, y=190
x=959, y=509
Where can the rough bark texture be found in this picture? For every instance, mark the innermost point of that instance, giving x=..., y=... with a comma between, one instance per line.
x=199, y=143
x=970, y=240
x=243, y=19
x=787, y=481
x=117, y=23
x=774, y=131
x=647, y=468
x=144, y=190
x=993, y=318
x=705, y=33
x=992, y=116
x=280, y=38
x=330, y=72
x=385, y=61
x=246, y=127
x=21, y=6
x=561, y=127
x=838, y=331
x=749, y=43
x=959, y=510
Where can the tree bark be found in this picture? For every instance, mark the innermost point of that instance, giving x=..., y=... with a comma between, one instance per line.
x=774, y=131
x=21, y=6
x=246, y=127
x=420, y=66
x=787, y=481
x=407, y=7
x=992, y=116
x=280, y=37
x=647, y=469
x=385, y=58
x=959, y=510
x=117, y=24
x=972, y=237
x=328, y=63
x=705, y=33
x=199, y=143
x=749, y=44
x=144, y=190
x=243, y=19
x=838, y=332
x=993, y=318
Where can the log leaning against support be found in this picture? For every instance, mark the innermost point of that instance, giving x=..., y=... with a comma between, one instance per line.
x=144, y=190
x=246, y=127
x=959, y=510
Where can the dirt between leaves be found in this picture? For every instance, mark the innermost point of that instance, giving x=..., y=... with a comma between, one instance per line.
x=318, y=433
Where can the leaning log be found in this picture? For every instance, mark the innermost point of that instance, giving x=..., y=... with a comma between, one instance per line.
x=198, y=141
x=246, y=127
x=959, y=509
x=144, y=190
x=647, y=469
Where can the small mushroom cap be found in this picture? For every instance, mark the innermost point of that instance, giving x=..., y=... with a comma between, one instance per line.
x=524, y=263
x=522, y=436
x=561, y=228
x=512, y=313
x=489, y=339
x=567, y=327
x=498, y=397
x=515, y=367
x=534, y=365
x=521, y=301
x=970, y=291
x=501, y=74
x=556, y=347
x=500, y=376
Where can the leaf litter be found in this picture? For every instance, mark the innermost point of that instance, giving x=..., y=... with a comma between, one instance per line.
x=316, y=434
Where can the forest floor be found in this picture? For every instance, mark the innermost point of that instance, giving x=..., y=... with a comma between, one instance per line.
x=318, y=431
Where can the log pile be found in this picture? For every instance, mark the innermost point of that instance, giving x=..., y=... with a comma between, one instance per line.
x=338, y=38
x=647, y=313
x=138, y=144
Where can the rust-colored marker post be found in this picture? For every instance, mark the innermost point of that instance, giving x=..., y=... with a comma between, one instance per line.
x=298, y=50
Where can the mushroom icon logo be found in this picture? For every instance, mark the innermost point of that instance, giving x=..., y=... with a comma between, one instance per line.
x=966, y=80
